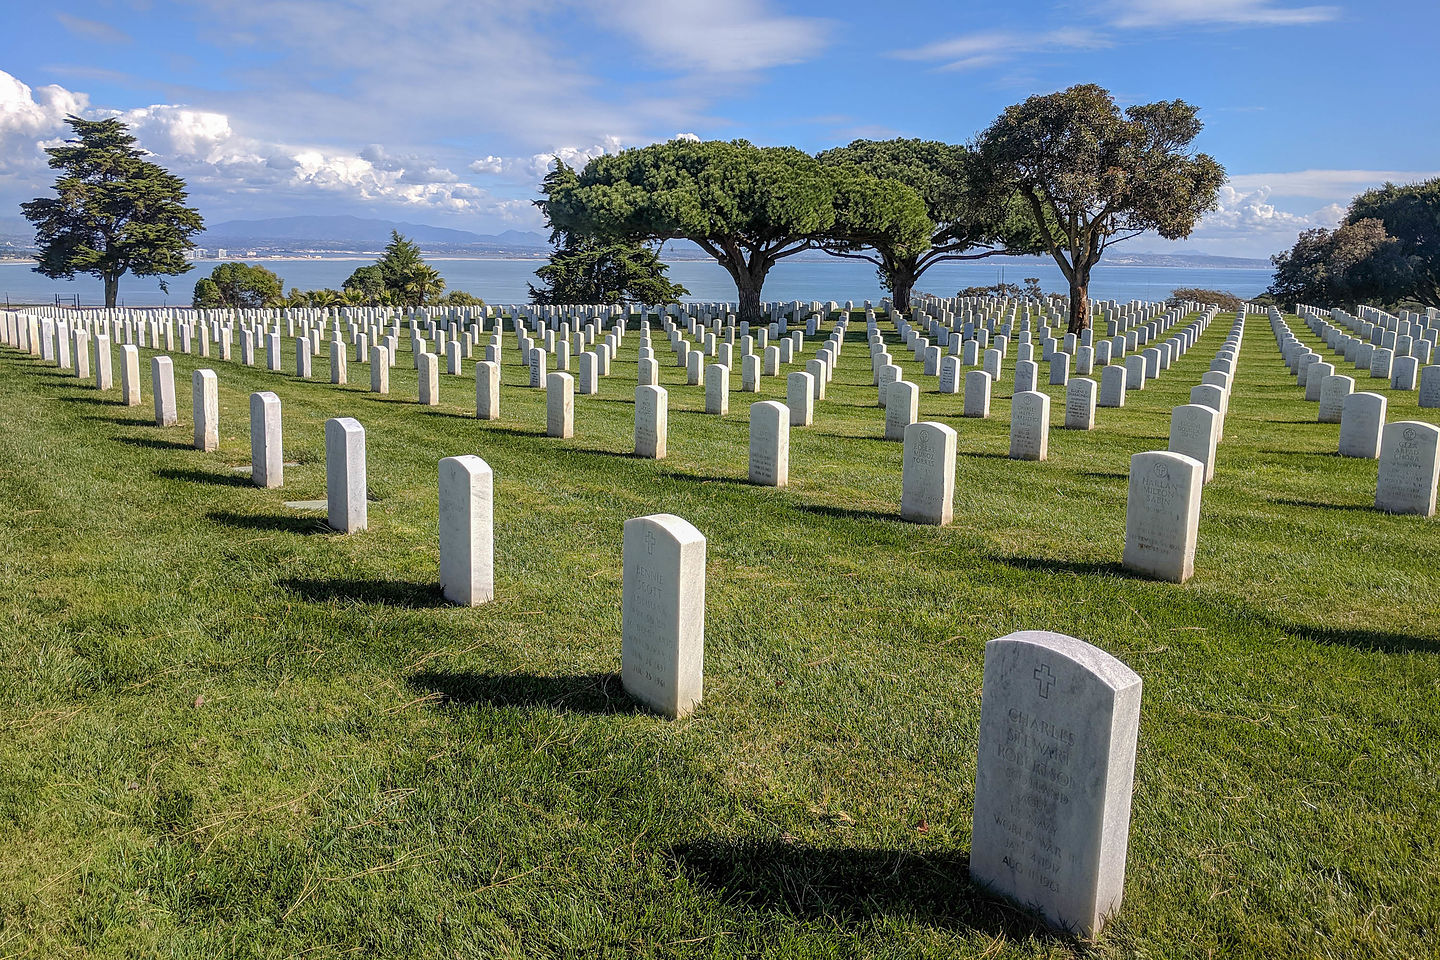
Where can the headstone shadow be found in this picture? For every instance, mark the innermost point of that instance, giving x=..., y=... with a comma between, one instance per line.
x=855, y=885
x=202, y=476
x=1099, y=568
x=154, y=443
x=1317, y=504
x=269, y=522
x=599, y=693
x=390, y=591
x=1374, y=640
x=845, y=513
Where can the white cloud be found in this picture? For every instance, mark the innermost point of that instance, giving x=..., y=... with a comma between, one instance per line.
x=1163, y=13
x=720, y=36
x=988, y=48
x=28, y=118
x=204, y=148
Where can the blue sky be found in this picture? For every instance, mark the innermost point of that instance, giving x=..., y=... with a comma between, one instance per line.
x=447, y=111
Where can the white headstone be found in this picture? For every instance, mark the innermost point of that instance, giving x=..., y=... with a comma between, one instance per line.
x=1080, y=404
x=162, y=383
x=345, y=497
x=1194, y=431
x=652, y=421
x=928, y=472
x=487, y=390
x=1059, y=722
x=1362, y=418
x=1409, y=468
x=130, y=375
x=1162, y=515
x=427, y=371
x=769, y=444
x=1029, y=426
x=467, y=530
x=205, y=405
x=800, y=398
x=717, y=390
x=267, y=455
x=662, y=654
x=902, y=408
x=560, y=405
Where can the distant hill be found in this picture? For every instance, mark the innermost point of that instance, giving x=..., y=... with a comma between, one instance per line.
x=345, y=233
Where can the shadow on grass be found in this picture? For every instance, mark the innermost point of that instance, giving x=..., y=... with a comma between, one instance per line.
x=1363, y=507
x=1101, y=568
x=854, y=884
x=1373, y=640
x=269, y=522
x=845, y=513
x=154, y=443
x=202, y=476
x=93, y=401
x=1105, y=474
x=511, y=431
x=390, y=592
x=581, y=693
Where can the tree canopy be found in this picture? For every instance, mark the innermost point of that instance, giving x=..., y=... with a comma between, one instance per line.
x=238, y=286
x=1093, y=176
x=591, y=269
x=746, y=206
x=1411, y=215
x=1353, y=263
x=971, y=215
x=400, y=278
x=114, y=211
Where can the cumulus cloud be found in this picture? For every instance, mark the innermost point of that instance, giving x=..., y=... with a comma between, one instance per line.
x=205, y=148
x=30, y=118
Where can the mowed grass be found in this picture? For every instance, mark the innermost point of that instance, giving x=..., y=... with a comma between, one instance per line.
x=230, y=732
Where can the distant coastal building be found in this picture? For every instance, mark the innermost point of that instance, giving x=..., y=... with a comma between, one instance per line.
x=221, y=253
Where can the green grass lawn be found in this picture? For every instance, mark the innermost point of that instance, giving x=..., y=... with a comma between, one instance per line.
x=230, y=732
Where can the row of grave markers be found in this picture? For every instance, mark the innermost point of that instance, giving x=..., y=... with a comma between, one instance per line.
x=1059, y=717
x=1408, y=450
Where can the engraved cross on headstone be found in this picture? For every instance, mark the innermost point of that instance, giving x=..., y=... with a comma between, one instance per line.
x=1044, y=680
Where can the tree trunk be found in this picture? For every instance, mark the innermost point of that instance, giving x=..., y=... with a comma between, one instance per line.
x=112, y=287
x=902, y=284
x=1079, y=301
x=747, y=285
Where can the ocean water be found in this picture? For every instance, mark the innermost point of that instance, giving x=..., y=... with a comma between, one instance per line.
x=504, y=281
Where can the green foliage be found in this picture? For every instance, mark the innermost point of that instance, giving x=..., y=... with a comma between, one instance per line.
x=746, y=206
x=1410, y=214
x=1031, y=290
x=368, y=285
x=460, y=298
x=971, y=216
x=114, y=212
x=401, y=278
x=1093, y=176
x=1356, y=262
x=585, y=268
x=206, y=295
x=238, y=286
x=1221, y=298
x=590, y=270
